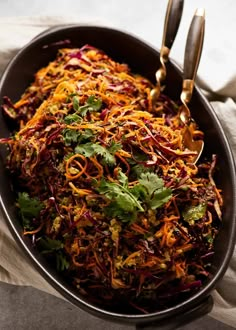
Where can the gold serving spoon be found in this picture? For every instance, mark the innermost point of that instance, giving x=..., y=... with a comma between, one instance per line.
x=192, y=56
x=172, y=20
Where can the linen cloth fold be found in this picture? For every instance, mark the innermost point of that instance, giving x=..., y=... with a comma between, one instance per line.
x=15, y=267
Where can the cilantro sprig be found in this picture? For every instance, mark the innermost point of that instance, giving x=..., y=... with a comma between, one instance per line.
x=29, y=209
x=73, y=118
x=54, y=247
x=91, y=149
x=156, y=194
x=48, y=245
x=126, y=202
x=92, y=104
x=74, y=137
x=70, y=136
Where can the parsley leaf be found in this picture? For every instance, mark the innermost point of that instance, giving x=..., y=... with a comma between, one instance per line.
x=193, y=213
x=29, y=208
x=156, y=193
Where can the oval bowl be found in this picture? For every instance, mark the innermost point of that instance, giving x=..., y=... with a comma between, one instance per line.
x=144, y=60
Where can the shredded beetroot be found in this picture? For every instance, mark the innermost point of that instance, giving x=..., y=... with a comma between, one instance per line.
x=107, y=191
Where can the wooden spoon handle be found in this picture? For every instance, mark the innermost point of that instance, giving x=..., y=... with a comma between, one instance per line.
x=193, y=52
x=172, y=21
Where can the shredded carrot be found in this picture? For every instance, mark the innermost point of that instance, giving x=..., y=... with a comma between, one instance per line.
x=82, y=168
x=130, y=220
x=35, y=231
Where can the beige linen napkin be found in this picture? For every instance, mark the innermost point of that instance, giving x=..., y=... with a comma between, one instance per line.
x=15, y=267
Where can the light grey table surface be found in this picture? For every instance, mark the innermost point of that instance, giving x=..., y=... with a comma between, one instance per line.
x=27, y=308
x=143, y=18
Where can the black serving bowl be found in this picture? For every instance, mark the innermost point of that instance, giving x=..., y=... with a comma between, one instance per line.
x=144, y=60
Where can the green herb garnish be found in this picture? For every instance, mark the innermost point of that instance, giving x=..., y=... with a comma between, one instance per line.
x=48, y=245
x=91, y=149
x=194, y=213
x=92, y=104
x=75, y=102
x=29, y=209
x=54, y=247
x=73, y=118
x=153, y=189
x=124, y=204
x=70, y=136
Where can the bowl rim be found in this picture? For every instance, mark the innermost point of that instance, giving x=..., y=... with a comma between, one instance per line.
x=50, y=277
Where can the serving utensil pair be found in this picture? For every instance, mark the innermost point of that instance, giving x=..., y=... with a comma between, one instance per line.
x=192, y=56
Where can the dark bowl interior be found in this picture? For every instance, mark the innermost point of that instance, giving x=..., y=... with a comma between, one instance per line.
x=144, y=60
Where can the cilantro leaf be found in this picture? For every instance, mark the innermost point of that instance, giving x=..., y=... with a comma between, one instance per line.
x=29, y=208
x=86, y=149
x=151, y=182
x=156, y=193
x=124, y=204
x=47, y=245
x=138, y=169
x=193, y=213
x=139, y=191
x=114, y=147
x=61, y=262
x=75, y=102
x=92, y=104
x=91, y=149
x=54, y=248
x=123, y=179
x=73, y=118
x=86, y=135
x=210, y=239
x=139, y=156
x=70, y=136
x=108, y=157
x=67, y=156
x=109, y=189
x=126, y=215
x=160, y=197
